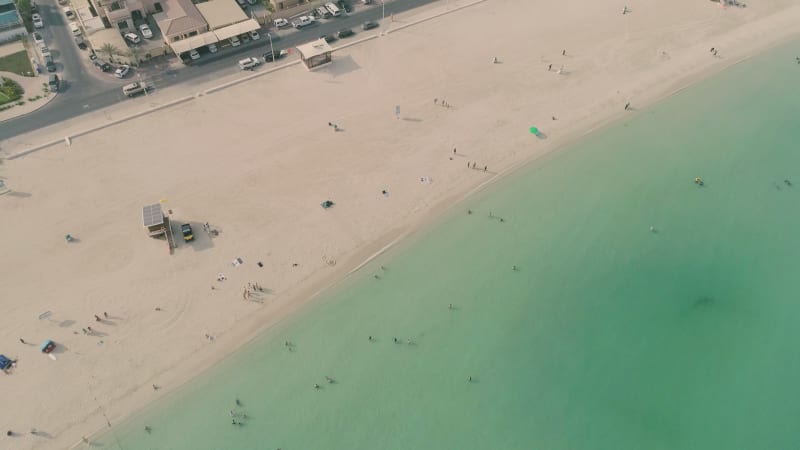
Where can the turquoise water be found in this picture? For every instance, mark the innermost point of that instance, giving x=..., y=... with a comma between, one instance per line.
x=608, y=336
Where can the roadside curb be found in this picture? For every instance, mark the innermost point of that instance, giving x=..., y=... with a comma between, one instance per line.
x=47, y=100
x=214, y=89
x=67, y=139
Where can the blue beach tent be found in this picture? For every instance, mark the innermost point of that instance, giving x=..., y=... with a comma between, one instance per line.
x=5, y=363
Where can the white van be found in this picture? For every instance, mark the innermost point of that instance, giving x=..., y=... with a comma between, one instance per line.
x=133, y=89
x=335, y=11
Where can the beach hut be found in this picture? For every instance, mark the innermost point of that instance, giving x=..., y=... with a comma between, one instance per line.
x=154, y=220
x=315, y=54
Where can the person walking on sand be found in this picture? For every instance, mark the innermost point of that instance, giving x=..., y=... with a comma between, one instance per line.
x=549, y=67
x=22, y=340
x=485, y=168
x=564, y=52
x=454, y=150
x=627, y=106
x=97, y=318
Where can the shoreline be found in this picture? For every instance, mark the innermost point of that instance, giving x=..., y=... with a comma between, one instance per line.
x=305, y=292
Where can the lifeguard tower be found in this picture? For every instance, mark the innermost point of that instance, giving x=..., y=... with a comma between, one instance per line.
x=157, y=223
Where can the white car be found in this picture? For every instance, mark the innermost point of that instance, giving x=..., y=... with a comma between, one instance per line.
x=235, y=42
x=147, y=33
x=76, y=30
x=69, y=13
x=38, y=39
x=212, y=48
x=133, y=38
x=37, y=21
x=194, y=54
x=254, y=35
x=303, y=21
x=122, y=71
x=249, y=63
x=280, y=23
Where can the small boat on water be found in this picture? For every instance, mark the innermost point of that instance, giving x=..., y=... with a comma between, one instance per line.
x=698, y=181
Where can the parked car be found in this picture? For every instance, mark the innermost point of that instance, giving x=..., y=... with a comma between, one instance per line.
x=46, y=53
x=186, y=231
x=249, y=63
x=345, y=32
x=194, y=54
x=328, y=38
x=368, y=25
x=344, y=6
x=53, y=83
x=51, y=66
x=69, y=13
x=38, y=39
x=212, y=48
x=147, y=33
x=280, y=23
x=37, y=21
x=133, y=89
x=323, y=12
x=80, y=42
x=102, y=65
x=131, y=37
x=76, y=30
x=122, y=71
x=254, y=35
x=303, y=21
x=235, y=42
x=269, y=56
x=244, y=38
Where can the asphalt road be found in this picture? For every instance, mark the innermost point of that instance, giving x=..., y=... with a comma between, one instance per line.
x=83, y=92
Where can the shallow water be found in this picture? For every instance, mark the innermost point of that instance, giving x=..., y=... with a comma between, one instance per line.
x=607, y=336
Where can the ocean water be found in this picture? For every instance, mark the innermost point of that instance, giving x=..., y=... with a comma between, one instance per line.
x=607, y=336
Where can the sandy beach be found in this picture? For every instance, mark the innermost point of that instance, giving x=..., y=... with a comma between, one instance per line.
x=255, y=161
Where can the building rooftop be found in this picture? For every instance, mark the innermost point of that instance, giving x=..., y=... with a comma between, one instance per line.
x=314, y=48
x=221, y=13
x=179, y=16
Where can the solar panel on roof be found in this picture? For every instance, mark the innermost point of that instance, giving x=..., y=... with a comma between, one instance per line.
x=152, y=215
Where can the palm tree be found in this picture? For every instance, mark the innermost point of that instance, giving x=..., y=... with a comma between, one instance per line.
x=136, y=55
x=109, y=50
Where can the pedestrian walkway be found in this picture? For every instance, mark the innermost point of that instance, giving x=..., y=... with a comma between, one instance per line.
x=11, y=48
x=33, y=86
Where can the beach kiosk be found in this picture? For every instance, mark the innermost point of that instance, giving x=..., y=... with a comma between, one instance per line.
x=154, y=220
x=315, y=54
x=157, y=224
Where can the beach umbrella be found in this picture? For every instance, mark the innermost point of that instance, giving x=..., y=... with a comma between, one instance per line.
x=534, y=130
